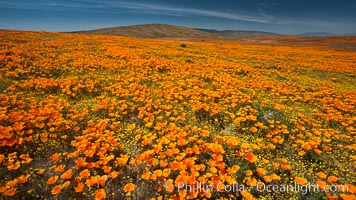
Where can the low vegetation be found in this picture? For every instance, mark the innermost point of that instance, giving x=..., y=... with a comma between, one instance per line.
x=95, y=117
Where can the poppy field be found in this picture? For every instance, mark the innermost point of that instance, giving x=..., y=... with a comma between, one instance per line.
x=110, y=117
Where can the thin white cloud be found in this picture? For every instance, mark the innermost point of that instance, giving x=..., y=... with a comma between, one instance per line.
x=109, y=5
x=191, y=11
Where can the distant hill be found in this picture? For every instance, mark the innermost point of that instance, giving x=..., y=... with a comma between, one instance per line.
x=231, y=34
x=350, y=34
x=160, y=31
x=171, y=31
x=307, y=34
x=153, y=31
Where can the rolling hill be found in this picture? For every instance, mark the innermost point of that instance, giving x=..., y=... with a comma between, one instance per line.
x=153, y=31
x=171, y=31
x=160, y=31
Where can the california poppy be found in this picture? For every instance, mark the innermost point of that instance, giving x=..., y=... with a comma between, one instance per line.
x=56, y=189
x=100, y=194
x=10, y=192
x=129, y=187
x=67, y=174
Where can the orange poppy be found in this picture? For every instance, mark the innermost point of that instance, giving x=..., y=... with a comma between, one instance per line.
x=166, y=172
x=146, y=176
x=102, y=180
x=12, y=183
x=100, y=194
x=251, y=181
x=251, y=157
x=347, y=197
x=41, y=171
x=2, y=157
x=79, y=187
x=2, y=189
x=14, y=166
x=52, y=180
x=122, y=160
x=168, y=185
x=92, y=181
x=59, y=168
x=129, y=187
x=114, y=174
x=56, y=189
x=131, y=127
x=23, y=178
x=321, y=175
x=55, y=157
x=10, y=192
x=331, y=197
x=85, y=173
x=247, y=195
x=67, y=174
x=267, y=179
x=107, y=169
x=253, y=129
x=332, y=179
x=249, y=173
x=261, y=171
x=66, y=184
x=301, y=181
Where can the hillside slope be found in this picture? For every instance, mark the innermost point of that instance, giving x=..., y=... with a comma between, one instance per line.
x=153, y=31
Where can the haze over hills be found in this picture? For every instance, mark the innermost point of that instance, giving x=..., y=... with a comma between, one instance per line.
x=306, y=34
x=323, y=34
x=231, y=34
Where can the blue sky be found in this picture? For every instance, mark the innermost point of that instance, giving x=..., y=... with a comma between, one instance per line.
x=281, y=16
